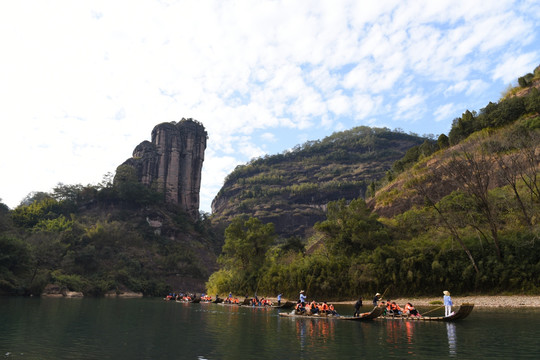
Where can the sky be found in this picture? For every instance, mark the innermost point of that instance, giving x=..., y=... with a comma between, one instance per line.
x=82, y=83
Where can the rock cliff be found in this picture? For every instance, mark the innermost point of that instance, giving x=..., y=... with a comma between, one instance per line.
x=172, y=162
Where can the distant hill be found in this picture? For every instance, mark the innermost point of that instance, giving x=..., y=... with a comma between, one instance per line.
x=461, y=213
x=292, y=189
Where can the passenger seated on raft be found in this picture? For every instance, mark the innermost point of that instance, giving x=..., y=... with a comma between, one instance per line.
x=324, y=308
x=411, y=310
x=393, y=308
x=313, y=307
x=299, y=308
x=332, y=310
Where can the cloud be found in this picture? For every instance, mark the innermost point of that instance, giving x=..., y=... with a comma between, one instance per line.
x=410, y=106
x=83, y=86
x=512, y=67
x=444, y=112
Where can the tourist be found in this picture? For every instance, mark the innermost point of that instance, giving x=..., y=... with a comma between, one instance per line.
x=447, y=303
x=411, y=310
x=324, y=308
x=313, y=307
x=396, y=308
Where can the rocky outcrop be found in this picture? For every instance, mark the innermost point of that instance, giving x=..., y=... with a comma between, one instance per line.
x=172, y=162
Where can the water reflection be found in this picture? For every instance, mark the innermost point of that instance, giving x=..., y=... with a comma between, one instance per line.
x=451, y=332
x=319, y=331
x=154, y=329
x=401, y=335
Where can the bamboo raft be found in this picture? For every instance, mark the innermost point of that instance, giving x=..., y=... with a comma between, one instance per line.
x=373, y=314
x=463, y=311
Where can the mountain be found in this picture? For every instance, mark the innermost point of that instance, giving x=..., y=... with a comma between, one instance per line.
x=292, y=189
x=459, y=215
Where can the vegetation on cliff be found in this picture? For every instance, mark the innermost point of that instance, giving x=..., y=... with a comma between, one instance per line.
x=464, y=218
x=292, y=189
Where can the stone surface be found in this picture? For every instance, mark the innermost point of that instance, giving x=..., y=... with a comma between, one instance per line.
x=172, y=162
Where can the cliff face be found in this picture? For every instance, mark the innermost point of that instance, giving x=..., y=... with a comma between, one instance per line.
x=172, y=162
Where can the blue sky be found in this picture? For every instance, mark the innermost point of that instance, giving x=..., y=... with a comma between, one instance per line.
x=84, y=82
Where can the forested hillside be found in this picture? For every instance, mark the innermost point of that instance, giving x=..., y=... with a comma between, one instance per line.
x=105, y=239
x=463, y=218
x=291, y=190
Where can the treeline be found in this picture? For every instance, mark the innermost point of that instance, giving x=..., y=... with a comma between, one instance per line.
x=98, y=239
x=354, y=253
x=347, y=147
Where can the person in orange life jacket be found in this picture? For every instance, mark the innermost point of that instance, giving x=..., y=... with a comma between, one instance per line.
x=392, y=308
x=411, y=310
x=395, y=307
x=389, y=306
x=324, y=308
x=314, y=308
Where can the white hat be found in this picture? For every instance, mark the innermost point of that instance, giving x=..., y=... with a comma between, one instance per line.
x=446, y=292
x=377, y=294
x=301, y=291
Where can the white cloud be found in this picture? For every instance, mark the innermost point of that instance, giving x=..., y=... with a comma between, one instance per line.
x=410, y=106
x=515, y=66
x=83, y=83
x=445, y=112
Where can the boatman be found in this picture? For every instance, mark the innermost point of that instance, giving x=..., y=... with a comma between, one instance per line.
x=376, y=299
x=357, y=307
x=302, y=298
x=279, y=300
x=447, y=303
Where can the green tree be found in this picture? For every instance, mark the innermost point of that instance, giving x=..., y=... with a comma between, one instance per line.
x=351, y=228
x=443, y=142
x=14, y=262
x=244, y=251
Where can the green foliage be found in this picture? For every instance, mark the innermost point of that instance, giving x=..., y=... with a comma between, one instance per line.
x=525, y=81
x=443, y=142
x=495, y=115
x=15, y=261
x=292, y=187
x=30, y=215
x=57, y=225
x=69, y=282
x=351, y=228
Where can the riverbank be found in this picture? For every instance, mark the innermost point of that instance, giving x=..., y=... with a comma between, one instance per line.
x=483, y=301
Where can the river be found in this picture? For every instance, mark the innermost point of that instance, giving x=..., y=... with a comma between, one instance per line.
x=150, y=328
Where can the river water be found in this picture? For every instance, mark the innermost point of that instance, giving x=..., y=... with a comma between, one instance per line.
x=58, y=328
